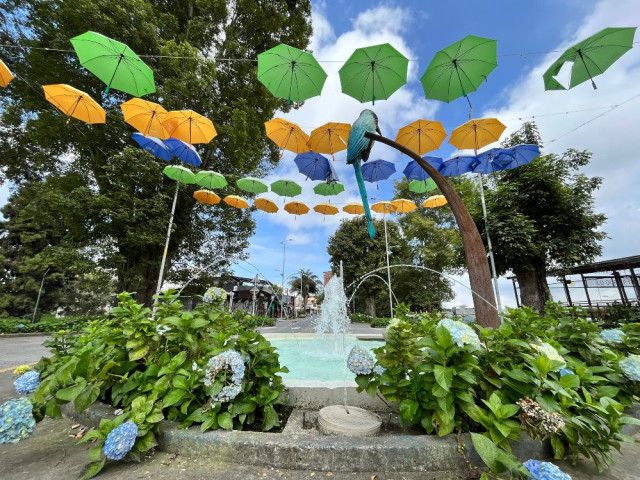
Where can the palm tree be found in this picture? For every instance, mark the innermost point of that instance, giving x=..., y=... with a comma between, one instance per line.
x=307, y=282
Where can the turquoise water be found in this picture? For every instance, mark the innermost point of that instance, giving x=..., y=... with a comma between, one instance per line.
x=317, y=359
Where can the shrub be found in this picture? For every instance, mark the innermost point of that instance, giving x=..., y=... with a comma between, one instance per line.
x=360, y=318
x=47, y=323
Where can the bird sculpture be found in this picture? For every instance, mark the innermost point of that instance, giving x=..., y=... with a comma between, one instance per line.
x=358, y=150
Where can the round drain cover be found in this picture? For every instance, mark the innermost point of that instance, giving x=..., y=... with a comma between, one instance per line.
x=334, y=420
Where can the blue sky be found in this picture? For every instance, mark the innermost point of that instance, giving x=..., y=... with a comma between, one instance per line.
x=514, y=91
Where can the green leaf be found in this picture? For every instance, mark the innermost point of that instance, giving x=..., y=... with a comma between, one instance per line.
x=146, y=443
x=95, y=453
x=86, y=397
x=509, y=410
x=444, y=376
x=488, y=451
x=226, y=421
x=518, y=375
x=53, y=410
x=570, y=381
x=558, y=447
x=181, y=382
x=138, y=353
x=178, y=360
x=69, y=394
x=270, y=418
x=408, y=408
x=173, y=397
x=93, y=469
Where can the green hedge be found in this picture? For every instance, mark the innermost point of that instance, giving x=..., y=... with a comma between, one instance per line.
x=47, y=323
x=374, y=322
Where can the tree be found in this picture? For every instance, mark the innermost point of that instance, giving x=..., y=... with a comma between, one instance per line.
x=307, y=282
x=130, y=198
x=541, y=217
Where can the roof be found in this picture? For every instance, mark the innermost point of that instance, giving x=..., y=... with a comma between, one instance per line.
x=624, y=263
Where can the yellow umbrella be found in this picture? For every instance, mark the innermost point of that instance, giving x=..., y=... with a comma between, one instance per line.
x=266, y=205
x=326, y=209
x=403, y=205
x=235, y=201
x=422, y=136
x=353, y=208
x=476, y=134
x=5, y=75
x=207, y=197
x=296, y=208
x=189, y=126
x=146, y=117
x=330, y=138
x=383, y=207
x=74, y=103
x=287, y=135
x=435, y=201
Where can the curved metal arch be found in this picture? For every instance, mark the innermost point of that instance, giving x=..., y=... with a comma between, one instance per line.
x=367, y=277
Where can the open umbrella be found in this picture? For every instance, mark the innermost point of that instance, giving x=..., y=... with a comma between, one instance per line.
x=114, y=63
x=290, y=73
x=153, y=145
x=74, y=103
x=377, y=170
x=326, y=209
x=235, y=201
x=5, y=75
x=435, y=201
x=330, y=138
x=266, y=205
x=207, y=197
x=422, y=136
x=354, y=208
x=374, y=73
x=517, y=156
x=456, y=166
x=185, y=152
x=146, y=117
x=313, y=165
x=383, y=207
x=413, y=171
x=459, y=69
x=296, y=208
x=476, y=134
x=591, y=57
x=287, y=135
x=422, y=186
x=328, y=189
x=189, y=126
x=210, y=180
x=403, y=205
x=252, y=185
x=487, y=161
x=286, y=188
x=180, y=174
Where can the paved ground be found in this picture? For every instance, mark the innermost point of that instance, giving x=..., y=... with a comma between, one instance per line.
x=17, y=350
x=306, y=325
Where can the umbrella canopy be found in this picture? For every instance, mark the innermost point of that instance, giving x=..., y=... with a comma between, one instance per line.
x=591, y=57
x=518, y=156
x=210, y=180
x=313, y=165
x=422, y=136
x=374, y=73
x=290, y=73
x=286, y=188
x=476, y=134
x=330, y=138
x=287, y=135
x=383, y=207
x=456, y=166
x=180, y=174
x=328, y=189
x=296, y=208
x=252, y=185
x=189, y=126
x=377, y=170
x=413, y=171
x=354, y=208
x=403, y=205
x=235, y=201
x=74, y=103
x=185, y=152
x=114, y=63
x=326, y=209
x=266, y=205
x=5, y=75
x=435, y=201
x=207, y=197
x=459, y=69
x=153, y=145
x=487, y=161
x=422, y=186
x=146, y=117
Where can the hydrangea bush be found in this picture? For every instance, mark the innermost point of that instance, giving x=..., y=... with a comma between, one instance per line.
x=27, y=383
x=16, y=420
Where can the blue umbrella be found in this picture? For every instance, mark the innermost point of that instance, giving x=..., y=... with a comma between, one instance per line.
x=435, y=162
x=377, y=170
x=413, y=170
x=333, y=174
x=520, y=155
x=185, y=152
x=153, y=145
x=313, y=165
x=487, y=161
x=458, y=165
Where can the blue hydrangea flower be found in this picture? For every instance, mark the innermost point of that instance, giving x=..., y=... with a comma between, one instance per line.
x=461, y=333
x=360, y=361
x=232, y=360
x=16, y=420
x=613, y=335
x=120, y=440
x=214, y=295
x=162, y=329
x=566, y=371
x=379, y=370
x=545, y=471
x=630, y=366
x=27, y=383
x=21, y=326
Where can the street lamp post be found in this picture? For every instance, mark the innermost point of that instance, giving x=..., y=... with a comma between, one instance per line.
x=284, y=245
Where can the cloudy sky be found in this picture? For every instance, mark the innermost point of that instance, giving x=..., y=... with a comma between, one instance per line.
x=530, y=36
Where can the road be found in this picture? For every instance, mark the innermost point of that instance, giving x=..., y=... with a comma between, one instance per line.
x=15, y=351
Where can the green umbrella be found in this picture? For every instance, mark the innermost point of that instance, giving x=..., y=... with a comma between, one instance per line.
x=459, y=69
x=253, y=185
x=290, y=73
x=421, y=186
x=114, y=63
x=326, y=189
x=210, y=180
x=591, y=57
x=286, y=188
x=180, y=174
x=374, y=73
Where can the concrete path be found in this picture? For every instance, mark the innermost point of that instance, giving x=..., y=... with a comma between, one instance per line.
x=16, y=350
x=306, y=325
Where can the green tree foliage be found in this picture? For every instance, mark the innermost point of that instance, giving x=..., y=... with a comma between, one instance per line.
x=541, y=217
x=306, y=282
x=128, y=199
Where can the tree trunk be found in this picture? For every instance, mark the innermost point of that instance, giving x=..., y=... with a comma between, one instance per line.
x=534, y=290
x=370, y=306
